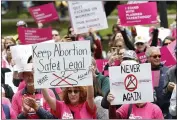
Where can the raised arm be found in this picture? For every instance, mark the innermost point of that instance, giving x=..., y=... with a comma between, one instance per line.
x=50, y=100
x=155, y=38
x=90, y=97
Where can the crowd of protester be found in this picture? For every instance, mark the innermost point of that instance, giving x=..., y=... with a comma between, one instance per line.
x=91, y=102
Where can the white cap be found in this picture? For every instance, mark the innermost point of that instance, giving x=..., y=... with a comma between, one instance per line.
x=139, y=39
x=55, y=32
x=129, y=62
x=21, y=23
x=27, y=68
x=129, y=54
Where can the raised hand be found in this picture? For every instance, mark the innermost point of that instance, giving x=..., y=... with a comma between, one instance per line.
x=110, y=98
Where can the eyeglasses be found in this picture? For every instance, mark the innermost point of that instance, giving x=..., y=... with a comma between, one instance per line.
x=71, y=91
x=155, y=56
x=55, y=34
x=139, y=43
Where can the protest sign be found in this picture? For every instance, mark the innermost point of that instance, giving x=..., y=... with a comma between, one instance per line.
x=167, y=57
x=138, y=14
x=155, y=78
x=34, y=35
x=44, y=13
x=87, y=14
x=163, y=33
x=171, y=48
x=131, y=84
x=20, y=55
x=9, y=79
x=63, y=64
x=101, y=63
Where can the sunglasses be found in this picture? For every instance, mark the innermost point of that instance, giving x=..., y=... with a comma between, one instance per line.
x=155, y=56
x=55, y=34
x=139, y=43
x=71, y=91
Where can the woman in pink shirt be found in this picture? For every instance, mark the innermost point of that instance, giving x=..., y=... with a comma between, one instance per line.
x=136, y=111
x=78, y=103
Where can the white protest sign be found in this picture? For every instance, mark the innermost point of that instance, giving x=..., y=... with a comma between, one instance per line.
x=9, y=79
x=163, y=33
x=62, y=64
x=131, y=84
x=136, y=2
x=20, y=55
x=87, y=14
x=144, y=32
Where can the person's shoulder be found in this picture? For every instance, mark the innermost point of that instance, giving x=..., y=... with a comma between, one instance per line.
x=154, y=106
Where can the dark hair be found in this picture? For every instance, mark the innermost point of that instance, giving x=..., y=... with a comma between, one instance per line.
x=169, y=38
x=97, y=89
x=29, y=59
x=8, y=47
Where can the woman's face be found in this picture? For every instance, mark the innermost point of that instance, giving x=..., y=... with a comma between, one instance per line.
x=8, y=42
x=119, y=45
x=73, y=95
x=118, y=36
x=29, y=79
x=140, y=46
x=8, y=53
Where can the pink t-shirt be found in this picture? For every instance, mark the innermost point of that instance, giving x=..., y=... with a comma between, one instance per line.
x=149, y=111
x=12, y=114
x=63, y=111
x=6, y=101
x=17, y=102
x=21, y=85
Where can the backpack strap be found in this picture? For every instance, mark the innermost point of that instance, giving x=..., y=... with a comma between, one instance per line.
x=56, y=94
x=6, y=111
x=129, y=111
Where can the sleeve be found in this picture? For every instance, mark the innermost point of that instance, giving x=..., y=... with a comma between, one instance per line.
x=91, y=111
x=43, y=114
x=45, y=104
x=157, y=112
x=127, y=41
x=21, y=116
x=155, y=38
x=172, y=108
x=105, y=85
x=104, y=103
x=98, y=50
x=59, y=107
x=12, y=114
x=122, y=112
x=15, y=105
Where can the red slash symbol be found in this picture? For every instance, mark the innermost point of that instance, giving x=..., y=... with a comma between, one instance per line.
x=62, y=79
x=131, y=83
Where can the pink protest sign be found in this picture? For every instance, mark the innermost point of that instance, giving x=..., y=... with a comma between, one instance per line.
x=44, y=13
x=34, y=35
x=102, y=62
x=167, y=57
x=138, y=14
x=171, y=48
x=142, y=57
x=155, y=78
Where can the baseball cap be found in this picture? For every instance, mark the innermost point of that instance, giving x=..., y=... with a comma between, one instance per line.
x=129, y=54
x=26, y=68
x=21, y=23
x=139, y=39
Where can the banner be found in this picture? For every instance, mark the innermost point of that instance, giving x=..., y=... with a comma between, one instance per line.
x=138, y=14
x=101, y=63
x=8, y=81
x=87, y=14
x=144, y=32
x=20, y=55
x=63, y=64
x=131, y=84
x=34, y=35
x=44, y=13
